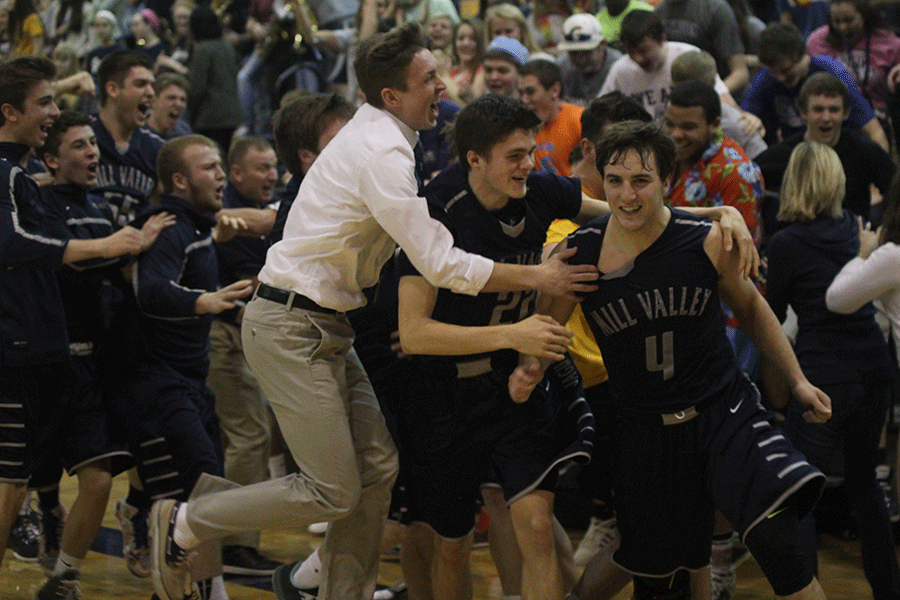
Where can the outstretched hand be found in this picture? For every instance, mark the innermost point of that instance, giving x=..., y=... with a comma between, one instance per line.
x=227, y=227
x=564, y=280
x=222, y=299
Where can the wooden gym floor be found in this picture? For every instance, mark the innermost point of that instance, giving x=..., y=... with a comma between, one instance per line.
x=105, y=576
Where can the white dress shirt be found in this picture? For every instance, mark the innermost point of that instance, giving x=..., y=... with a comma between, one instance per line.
x=356, y=203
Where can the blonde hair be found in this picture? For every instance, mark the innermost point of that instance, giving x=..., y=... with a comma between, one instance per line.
x=813, y=184
x=508, y=12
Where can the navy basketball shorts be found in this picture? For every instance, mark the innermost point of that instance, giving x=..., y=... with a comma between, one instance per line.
x=30, y=400
x=669, y=478
x=83, y=435
x=172, y=430
x=456, y=431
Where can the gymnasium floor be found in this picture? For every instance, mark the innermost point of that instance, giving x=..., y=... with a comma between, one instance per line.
x=106, y=578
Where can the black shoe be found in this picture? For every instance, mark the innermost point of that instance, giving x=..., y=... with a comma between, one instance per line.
x=25, y=536
x=244, y=560
x=285, y=589
x=60, y=587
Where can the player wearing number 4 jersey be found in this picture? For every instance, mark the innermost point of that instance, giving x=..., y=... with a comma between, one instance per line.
x=690, y=434
x=496, y=206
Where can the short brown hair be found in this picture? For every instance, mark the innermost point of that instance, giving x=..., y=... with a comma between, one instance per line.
x=643, y=138
x=240, y=147
x=18, y=76
x=169, y=79
x=823, y=84
x=170, y=159
x=300, y=123
x=383, y=61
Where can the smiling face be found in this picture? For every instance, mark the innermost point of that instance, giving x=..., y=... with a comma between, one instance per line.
x=500, y=77
x=634, y=191
x=417, y=105
x=689, y=129
x=134, y=98
x=466, y=45
x=506, y=28
x=256, y=174
x=824, y=116
x=29, y=125
x=204, y=182
x=502, y=173
x=847, y=21
x=440, y=31
x=168, y=108
x=77, y=159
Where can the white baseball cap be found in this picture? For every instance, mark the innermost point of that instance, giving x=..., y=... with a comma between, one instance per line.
x=581, y=32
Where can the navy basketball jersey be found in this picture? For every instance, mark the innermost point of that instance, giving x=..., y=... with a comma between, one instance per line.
x=514, y=234
x=657, y=319
x=126, y=180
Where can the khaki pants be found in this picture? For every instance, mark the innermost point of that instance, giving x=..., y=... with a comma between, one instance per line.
x=330, y=419
x=241, y=408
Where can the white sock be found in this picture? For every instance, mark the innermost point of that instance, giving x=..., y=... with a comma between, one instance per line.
x=183, y=535
x=218, y=589
x=64, y=563
x=277, y=466
x=27, y=501
x=309, y=573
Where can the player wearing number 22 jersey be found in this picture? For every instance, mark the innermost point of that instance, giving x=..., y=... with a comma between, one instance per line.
x=459, y=427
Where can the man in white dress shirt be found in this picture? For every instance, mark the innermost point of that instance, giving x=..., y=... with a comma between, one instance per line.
x=358, y=201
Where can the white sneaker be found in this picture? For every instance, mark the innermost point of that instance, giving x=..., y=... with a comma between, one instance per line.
x=317, y=528
x=599, y=535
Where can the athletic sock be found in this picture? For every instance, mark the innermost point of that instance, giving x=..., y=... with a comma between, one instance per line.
x=218, y=589
x=183, y=535
x=64, y=563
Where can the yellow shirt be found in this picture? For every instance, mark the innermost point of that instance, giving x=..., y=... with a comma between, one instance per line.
x=23, y=45
x=584, y=350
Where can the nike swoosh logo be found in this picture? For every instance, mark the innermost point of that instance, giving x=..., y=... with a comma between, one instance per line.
x=735, y=409
x=776, y=512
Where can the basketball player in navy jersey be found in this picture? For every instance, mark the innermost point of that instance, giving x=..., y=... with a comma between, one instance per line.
x=128, y=150
x=477, y=433
x=690, y=434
